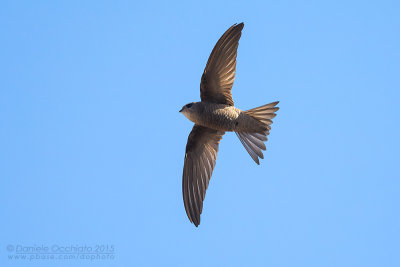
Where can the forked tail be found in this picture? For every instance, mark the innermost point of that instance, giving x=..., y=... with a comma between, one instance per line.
x=253, y=142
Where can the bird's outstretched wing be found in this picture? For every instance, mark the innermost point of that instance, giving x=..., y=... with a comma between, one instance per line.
x=200, y=157
x=219, y=74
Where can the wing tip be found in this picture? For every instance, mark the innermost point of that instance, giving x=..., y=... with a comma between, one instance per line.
x=240, y=26
x=195, y=221
x=237, y=26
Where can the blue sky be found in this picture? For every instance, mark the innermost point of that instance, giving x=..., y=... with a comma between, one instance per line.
x=92, y=144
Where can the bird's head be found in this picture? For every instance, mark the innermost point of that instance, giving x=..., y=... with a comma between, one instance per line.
x=189, y=110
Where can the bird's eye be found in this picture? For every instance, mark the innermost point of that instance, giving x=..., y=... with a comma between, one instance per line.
x=189, y=105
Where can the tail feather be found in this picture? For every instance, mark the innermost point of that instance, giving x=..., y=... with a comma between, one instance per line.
x=262, y=137
x=265, y=113
x=253, y=142
x=259, y=143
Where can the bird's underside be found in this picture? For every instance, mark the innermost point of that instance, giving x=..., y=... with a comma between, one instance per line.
x=214, y=116
x=227, y=118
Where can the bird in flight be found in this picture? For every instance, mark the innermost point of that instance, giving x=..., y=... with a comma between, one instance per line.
x=216, y=114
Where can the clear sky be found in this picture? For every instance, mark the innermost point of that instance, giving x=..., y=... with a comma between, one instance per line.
x=92, y=144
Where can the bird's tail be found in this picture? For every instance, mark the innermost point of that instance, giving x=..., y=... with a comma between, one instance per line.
x=253, y=142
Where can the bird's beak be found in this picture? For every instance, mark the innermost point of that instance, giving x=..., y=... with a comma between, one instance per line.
x=181, y=110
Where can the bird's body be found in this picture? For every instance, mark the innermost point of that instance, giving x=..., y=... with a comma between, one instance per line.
x=216, y=114
x=223, y=118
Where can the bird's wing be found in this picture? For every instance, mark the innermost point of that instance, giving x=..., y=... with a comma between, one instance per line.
x=219, y=74
x=200, y=157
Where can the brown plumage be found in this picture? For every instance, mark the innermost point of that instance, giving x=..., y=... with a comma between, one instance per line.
x=214, y=116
